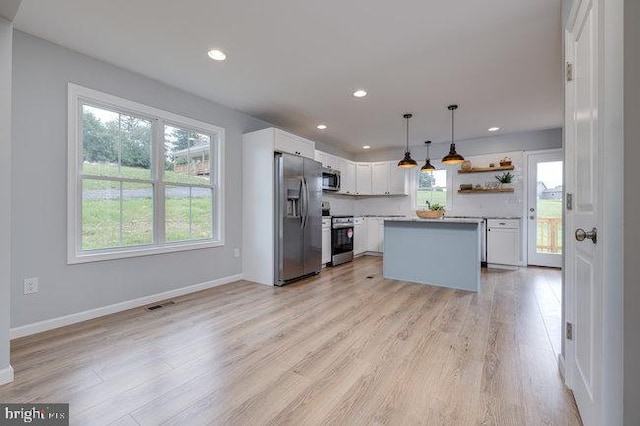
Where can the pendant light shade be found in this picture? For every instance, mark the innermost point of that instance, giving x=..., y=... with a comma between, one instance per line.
x=428, y=167
x=407, y=162
x=452, y=157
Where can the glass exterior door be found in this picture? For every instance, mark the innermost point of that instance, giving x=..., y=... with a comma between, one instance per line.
x=545, y=207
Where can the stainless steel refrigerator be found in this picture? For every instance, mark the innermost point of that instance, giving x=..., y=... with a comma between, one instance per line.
x=298, y=217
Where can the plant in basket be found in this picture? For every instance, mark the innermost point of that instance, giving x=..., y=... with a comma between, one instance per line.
x=435, y=211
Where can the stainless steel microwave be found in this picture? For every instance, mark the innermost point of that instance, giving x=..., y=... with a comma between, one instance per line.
x=330, y=179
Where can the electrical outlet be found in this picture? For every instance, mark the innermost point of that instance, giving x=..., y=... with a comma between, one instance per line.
x=236, y=252
x=31, y=285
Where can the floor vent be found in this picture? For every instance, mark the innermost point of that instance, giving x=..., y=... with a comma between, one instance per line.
x=370, y=277
x=160, y=305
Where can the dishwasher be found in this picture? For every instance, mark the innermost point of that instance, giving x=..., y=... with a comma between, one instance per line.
x=503, y=242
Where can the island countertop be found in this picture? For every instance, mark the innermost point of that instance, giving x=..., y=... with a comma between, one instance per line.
x=445, y=220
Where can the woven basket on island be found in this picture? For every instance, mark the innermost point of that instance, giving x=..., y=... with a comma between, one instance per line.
x=430, y=214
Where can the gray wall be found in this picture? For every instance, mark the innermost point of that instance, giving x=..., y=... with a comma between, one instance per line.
x=6, y=35
x=523, y=141
x=41, y=71
x=631, y=213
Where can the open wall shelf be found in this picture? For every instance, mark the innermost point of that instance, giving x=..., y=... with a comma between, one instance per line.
x=486, y=169
x=485, y=191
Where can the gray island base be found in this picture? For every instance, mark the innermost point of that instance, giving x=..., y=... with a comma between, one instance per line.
x=440, y=252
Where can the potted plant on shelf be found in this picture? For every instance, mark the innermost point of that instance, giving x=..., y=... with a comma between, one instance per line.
x=505, y=179
x=434, y=211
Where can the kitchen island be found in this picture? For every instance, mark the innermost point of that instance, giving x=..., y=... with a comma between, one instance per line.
x=441, y=252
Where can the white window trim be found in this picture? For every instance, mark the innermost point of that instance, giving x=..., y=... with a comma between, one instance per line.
x=78, y=94
x=413, y=185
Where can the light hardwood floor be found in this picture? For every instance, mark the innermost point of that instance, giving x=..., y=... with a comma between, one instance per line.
x=346, y=347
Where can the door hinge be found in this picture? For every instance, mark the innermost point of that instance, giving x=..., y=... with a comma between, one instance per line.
x=569, y=331
x=569, y=197
x=569, y=71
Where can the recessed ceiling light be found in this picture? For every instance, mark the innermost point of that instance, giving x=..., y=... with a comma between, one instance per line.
x=494, y=129
x=217, y=55
x=360, y=93
x=321, y=126
x=365, y=147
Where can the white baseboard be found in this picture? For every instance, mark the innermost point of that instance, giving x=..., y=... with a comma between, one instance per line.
x=38, y=327
x=505, y=267
x=561, y=367
x=6, y=375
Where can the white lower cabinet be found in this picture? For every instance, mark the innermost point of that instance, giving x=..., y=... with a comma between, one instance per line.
x=326, y=240
x=503, y=242
x=359, y=236
x=374, y=242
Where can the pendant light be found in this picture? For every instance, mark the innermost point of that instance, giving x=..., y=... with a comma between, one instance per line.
x=428, y=167
x=452, y=157
x=407, y=162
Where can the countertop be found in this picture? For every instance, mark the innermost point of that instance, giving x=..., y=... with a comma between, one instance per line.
x=446, y=217
x=483, y=217
x=503, y=217
x=370, y=215
x=445, y=220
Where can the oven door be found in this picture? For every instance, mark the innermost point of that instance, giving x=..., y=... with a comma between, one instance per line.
x=341, y=245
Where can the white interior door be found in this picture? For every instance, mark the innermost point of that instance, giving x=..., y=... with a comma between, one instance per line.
x=583, y=267
x=544, y=209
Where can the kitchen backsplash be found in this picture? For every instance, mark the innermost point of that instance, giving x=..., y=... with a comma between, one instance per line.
x=384, y=206
x=487, y=205
x=340, y=204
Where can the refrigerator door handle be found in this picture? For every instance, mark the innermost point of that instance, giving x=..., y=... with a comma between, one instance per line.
x=302, y=202
x=306, y=201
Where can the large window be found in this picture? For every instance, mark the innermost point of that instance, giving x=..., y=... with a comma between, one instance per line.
x=141, y=180
x=431, y=188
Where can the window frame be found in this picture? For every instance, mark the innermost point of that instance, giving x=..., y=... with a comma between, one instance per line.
x=414, y=185
x=79, y=96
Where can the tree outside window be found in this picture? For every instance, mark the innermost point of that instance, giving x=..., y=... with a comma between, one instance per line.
x=431, y=188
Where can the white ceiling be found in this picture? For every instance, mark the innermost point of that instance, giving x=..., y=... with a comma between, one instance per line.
x=295, y=63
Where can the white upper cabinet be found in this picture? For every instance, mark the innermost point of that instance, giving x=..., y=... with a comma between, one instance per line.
x=397, y=179
x=292, y=144
x=366, y=178
x=348, y=177
x=329, y=161
x=337, y=163
x=346, y=168
x=363, y=179
x=388, y=179
x=380, y=178
x=321, y=157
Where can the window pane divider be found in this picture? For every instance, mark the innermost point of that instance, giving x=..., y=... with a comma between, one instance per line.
x=157, y=172
x=117, y=179
x=190, y=185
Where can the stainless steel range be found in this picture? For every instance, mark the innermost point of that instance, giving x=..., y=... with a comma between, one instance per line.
x=341, y=239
